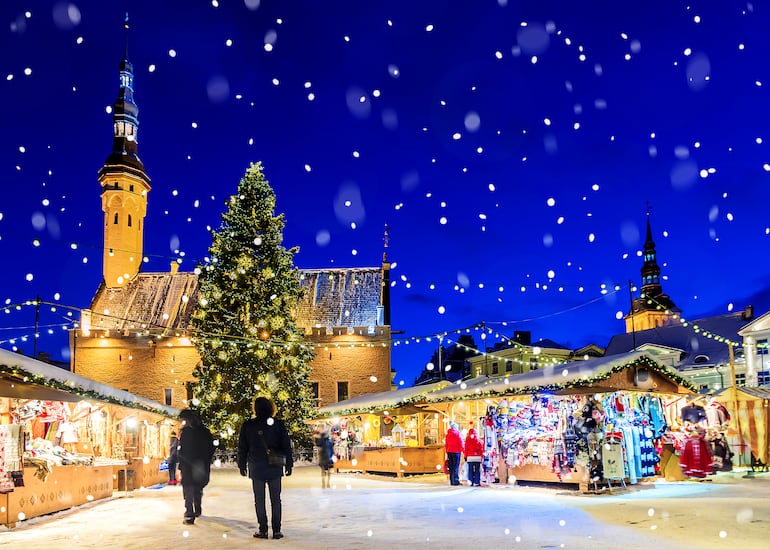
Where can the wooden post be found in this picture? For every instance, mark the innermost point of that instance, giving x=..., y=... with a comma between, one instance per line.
x=735, y=403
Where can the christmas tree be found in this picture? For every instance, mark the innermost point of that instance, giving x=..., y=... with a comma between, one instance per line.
x=244, y=323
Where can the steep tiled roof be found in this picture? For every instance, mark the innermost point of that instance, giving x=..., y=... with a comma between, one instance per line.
x=157, y=300
x=682, y=337
x=334, y=298
x=340, y=297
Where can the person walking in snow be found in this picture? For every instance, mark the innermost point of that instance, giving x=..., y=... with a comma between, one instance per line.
x=195, y=452
x=454, y=449
x=325, y=455
x=172, y=458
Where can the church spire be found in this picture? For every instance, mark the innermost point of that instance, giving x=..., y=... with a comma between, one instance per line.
x=650, y=269
x=124, y=184
x=652, y=308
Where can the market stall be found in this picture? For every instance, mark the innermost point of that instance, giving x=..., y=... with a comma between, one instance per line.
x=750, y=423
x=387, y=432
x=67, y=440
x=588, y=423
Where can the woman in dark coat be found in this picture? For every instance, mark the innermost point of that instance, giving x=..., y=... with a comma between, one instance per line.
x=259, y=434
x=195, y=451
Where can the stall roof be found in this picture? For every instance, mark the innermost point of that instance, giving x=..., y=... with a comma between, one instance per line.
x=750, y=391
x=554, y=379
x=27, y=378
x=378, y=402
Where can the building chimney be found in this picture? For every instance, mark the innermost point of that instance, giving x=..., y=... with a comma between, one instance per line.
x=748, y=313
x=174, y=268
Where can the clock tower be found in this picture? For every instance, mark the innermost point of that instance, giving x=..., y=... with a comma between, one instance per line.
x=125, y=186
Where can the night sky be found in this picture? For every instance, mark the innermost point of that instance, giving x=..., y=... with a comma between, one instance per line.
x=512, y=147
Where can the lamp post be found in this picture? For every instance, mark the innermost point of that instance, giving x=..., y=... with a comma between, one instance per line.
x=440, y=364
x=721, y=377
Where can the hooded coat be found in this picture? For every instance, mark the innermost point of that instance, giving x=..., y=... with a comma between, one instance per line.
x=473, y=445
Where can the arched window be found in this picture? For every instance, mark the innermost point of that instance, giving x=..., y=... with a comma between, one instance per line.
x=699, y=359
x=116, y=219
x=129, y=220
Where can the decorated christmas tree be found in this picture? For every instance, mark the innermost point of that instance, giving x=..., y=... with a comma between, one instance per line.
x=244, y=323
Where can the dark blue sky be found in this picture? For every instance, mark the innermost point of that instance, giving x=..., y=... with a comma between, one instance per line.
x=511, y=147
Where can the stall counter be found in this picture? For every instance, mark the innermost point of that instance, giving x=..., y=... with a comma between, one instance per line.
x=64, y=487
x=396, y=460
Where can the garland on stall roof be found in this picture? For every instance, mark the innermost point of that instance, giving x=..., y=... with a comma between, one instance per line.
x=71, y=388
x=372, y=410
x=572, y=384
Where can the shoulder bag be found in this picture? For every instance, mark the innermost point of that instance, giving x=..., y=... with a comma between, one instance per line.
x=273, y=458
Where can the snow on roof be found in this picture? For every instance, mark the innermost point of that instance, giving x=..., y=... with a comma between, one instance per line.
x=380, y=401
x=694, y=343
x=37, y=373
x=550, y=379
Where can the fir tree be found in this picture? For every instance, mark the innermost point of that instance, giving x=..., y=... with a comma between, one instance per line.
x=245, y=331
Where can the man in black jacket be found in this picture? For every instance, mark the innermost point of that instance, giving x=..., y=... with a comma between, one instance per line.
x=261, y=436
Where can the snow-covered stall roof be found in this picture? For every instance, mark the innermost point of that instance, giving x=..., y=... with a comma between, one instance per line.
x=382, y=401
x=25, y=377
x=566, y=378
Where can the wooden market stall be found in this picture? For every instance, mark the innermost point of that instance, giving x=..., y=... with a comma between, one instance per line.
x=584, y=423
x=68, y=440
x=750, y=423
x=387, y=432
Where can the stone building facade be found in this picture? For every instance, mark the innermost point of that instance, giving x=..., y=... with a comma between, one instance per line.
x=135, y=334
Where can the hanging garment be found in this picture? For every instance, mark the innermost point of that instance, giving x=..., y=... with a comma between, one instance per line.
x=695, y=460
x=489, y=462
x=647, y=453
x=720, y=452
x=717, y=416
x=693, y=413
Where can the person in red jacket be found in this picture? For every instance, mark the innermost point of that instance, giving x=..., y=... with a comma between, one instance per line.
x=454, y=448
x=474, y=450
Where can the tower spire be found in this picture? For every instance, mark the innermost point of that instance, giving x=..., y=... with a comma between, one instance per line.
x=652, y=308
x=385, y=287
x=125, y=44
x=124, y=184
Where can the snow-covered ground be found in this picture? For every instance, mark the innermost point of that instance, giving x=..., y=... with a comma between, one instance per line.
x=419, y=512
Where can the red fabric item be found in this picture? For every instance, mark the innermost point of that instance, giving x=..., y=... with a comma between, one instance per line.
x=696, y=460
x=473, y=445
x=454, y=441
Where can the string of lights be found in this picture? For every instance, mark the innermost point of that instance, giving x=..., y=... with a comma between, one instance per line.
x=694, y=326
x=486, y=330
x=159, y=332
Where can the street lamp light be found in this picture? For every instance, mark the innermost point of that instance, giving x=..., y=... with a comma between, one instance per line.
x=721, y=377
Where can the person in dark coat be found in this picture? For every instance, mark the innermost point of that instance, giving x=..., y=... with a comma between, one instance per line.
x=259, y=434
x=195, y=452
x=172, y=458
x=325, y=446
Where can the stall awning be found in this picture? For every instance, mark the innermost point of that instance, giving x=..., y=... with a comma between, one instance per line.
x=750, y=411
x=401, y=401
x=591, y=375
x=27, y=378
